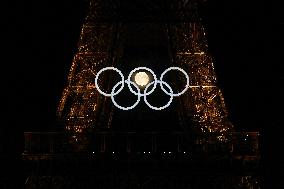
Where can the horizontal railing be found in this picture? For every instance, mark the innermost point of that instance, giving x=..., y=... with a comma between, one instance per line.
x=239, y=144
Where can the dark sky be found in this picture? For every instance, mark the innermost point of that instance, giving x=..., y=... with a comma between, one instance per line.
x=42, y=39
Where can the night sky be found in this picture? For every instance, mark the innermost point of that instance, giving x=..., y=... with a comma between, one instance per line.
x=42, y=39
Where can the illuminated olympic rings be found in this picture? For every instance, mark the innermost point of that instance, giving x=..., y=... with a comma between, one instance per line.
x=137, y=91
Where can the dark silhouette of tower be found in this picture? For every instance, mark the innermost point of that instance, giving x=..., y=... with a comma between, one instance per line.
x=111, y=148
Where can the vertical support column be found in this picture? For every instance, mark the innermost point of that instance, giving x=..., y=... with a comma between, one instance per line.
x=28, y=138
x=154, y=143
x=103, y=143
x=178, y=142
x=51, y=142
x=128, y=144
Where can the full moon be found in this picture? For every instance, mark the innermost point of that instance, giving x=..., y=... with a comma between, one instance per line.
x=141, y=78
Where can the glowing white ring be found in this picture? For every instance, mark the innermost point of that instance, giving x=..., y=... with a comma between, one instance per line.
x=109, y=68
x=187, y=81
x=138, y=93
x=162, y=107
x=113, y=94
x=142, y=68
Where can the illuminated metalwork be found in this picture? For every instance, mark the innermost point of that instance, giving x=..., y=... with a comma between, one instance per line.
x=204, y=105
x=81, y=106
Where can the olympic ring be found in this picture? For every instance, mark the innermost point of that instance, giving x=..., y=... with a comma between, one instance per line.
x=162, y=107
x=187, y=81
x=146, y=92
x=144, y=68
x=101, y=71
x=121, y=107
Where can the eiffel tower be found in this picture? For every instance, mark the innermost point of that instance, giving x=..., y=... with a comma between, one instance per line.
x=104, y=41
x=195, y=129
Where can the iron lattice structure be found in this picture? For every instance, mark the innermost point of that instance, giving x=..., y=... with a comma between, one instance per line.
x=82, y=107
x=204, y=103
